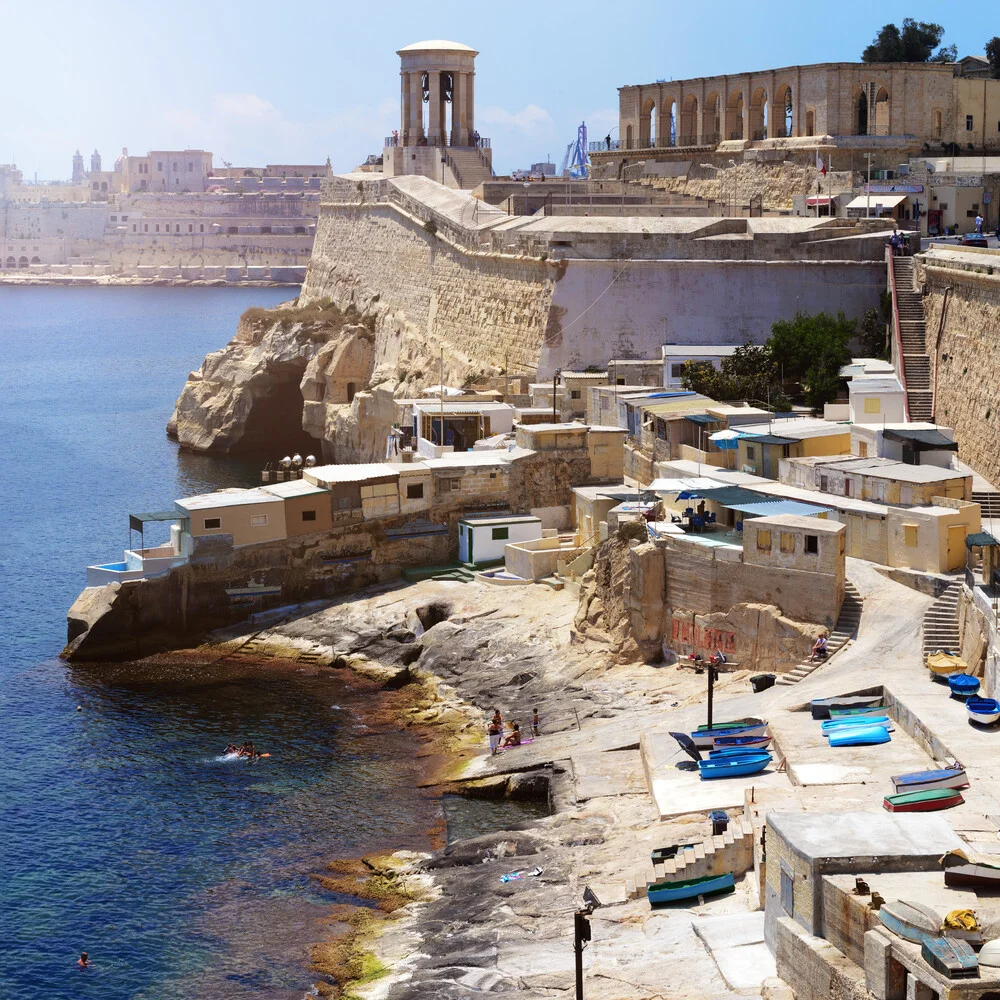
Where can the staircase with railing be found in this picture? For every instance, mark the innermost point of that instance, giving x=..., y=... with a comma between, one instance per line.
x=910, y=340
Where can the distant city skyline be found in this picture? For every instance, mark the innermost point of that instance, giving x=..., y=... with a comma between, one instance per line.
x=263, y=86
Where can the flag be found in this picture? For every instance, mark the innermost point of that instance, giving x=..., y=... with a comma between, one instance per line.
x=820, y=165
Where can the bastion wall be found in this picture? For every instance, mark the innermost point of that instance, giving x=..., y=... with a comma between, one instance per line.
x=967, y=354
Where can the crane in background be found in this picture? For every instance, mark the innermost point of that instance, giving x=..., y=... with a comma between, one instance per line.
x=576, y=162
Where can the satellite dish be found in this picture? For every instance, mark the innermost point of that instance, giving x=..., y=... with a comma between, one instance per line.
x=285, y=462
x=310, y=461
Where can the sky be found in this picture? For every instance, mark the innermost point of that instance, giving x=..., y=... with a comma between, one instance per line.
x=296, y=82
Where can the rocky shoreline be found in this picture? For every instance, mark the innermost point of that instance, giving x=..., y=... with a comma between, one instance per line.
x=444, y=924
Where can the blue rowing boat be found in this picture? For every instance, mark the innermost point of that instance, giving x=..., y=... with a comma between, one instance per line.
x=731, y=752
x=878, y=720
x=692, y=888
x=942, y=777
x=963, y=685
x=728, y=742
x=858, y=736
x=983, y=711
x=705, y=738
x=733, y=767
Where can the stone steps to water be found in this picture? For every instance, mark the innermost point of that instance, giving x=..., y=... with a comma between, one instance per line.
x=846, y=629
x=940, y=623
x=915, y=362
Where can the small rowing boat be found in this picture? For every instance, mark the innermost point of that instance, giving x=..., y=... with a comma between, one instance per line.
x=857, y=736
x=963, y=685
x=851, y=713
x=733, y=767
x=742, y=742
x=705, y=738
x=944, y=662
x=908, y=922
x=733, y=724
x=960, y=872
x=874, y=720
x=821, y=707
x=929, y=800
x=661, y=854
x=943, y=777
x=692, y=888
x=952, y=957
x=983, y=711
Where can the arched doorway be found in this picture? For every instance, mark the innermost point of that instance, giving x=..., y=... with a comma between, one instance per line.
x=711, y=125
x=647, y=124
x=36, y=260
x=784, y=118
x=22, y=262
x=666, y=134
x=11, y=263
x=882, y=112
x=758, y=115
x=628, y=136
x=734, y=115
x=861, y=114
x=810, y=121
x=937, y=123
x=689, y=122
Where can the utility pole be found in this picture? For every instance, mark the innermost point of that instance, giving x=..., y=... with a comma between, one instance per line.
x=581, y=935
x=441, y=397
x=868, y=189
x=712, y=675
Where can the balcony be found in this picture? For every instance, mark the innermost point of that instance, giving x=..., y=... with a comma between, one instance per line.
x=480, y=142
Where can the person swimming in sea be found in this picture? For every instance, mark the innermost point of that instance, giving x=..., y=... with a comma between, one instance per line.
x=230, y=748
x=83, y=961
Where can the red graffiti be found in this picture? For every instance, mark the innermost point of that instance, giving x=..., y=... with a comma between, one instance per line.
x=700, y=637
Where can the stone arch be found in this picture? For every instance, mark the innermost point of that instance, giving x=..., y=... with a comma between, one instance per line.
x=104, y=185
x=783, y=126
x=688, y=132
x=628, y=136
x=666, y=129
x=22, y=262
x=647, y=123
x=861, y=112
x=810, y=121
x=758, y=114
x=734, y=116
x=11, y=263
x=883, y=107
x=711, y=123
x=937, y=123
x=36, y=260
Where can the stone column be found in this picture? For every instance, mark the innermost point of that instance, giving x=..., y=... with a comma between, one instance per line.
x=470, y=105
x=404, y=106
x=416, y=122
x=459, y=102
x=434, y=116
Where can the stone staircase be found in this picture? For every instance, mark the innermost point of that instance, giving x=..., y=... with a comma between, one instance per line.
x=915, y=362
x=989, y=502
x=731, y=851
x=941, y=623
x=845, y=629
x=467, y=165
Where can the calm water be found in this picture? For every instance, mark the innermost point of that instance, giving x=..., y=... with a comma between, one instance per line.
x=122, y=833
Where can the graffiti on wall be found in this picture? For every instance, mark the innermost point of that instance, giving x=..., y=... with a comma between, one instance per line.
x=700, y=637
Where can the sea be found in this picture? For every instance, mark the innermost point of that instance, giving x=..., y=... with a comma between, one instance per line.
x=124, y=832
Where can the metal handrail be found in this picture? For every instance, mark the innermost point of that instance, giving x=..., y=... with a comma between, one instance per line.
x=897, y=333
x=401, y=140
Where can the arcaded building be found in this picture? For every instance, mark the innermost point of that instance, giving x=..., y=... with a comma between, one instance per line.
x=925, y=106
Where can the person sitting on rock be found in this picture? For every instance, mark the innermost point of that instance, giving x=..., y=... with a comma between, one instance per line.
x=514, y=740
x=819, y=648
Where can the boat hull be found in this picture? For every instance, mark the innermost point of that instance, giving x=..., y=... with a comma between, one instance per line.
x=972, y=876
x=927, y=801
x=963, y=685
x=952, y=957
x=820, y=707
x=983, y=711
x=919, y=781
x=741, y=742
x=733, y=767
x=858, y=736
x=851, y=713
x=908, y=922
x=875, y=720
x=704, y=739
x=672, y=892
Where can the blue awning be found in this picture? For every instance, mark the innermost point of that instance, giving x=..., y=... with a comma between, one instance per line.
x=702, y=418
x=764, y=508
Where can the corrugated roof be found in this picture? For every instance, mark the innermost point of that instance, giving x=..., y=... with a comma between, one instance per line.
x=983, y=538
x=769, y=439
x=702, y=418
x=923, y=439
x=767, y=507
x=432, y=406
x=227, y=498
x=726, y=495
x=507, y=519
x=349, y=473
x=293, y=488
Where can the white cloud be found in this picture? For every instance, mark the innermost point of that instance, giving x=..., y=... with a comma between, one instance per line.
x=531, y=118
x=245, y=106
x=601, y=120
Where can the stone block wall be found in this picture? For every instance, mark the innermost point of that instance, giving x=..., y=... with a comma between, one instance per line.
x=967, y=356
x=547, y=478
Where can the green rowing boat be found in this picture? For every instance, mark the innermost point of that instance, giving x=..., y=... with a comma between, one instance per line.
x=928, y=800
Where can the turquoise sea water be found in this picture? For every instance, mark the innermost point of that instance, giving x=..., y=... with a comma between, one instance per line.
x=122, y=833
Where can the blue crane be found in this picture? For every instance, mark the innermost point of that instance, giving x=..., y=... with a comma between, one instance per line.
x=576, y=162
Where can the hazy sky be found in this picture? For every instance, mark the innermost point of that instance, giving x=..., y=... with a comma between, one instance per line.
x=295, y=82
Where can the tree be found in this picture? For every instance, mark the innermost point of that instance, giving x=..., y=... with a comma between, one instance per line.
x=749, y=373
x=914, y=42
x=993, y=54
x=812, y=350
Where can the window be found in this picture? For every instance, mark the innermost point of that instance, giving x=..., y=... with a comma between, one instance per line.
x=848, y=488
x=873, y=404
x=751, y=451
x=764, y=541
x=114, y=218
x=175, y=166
x=190, y=227
x=499, y=534
x=862, y=449
x=676, y=371
x=258, y=520
x=190, y=168
x=145, y=227
x=812, y=544
x=575, y=394
x=823, y=483
x=159, y=166
x=157, y=227
x=133, y=227
x=787, y=542
x=212, y=522
x=968, y=123
x=910, y=535
x=308, y=515
x=124, y=218
x=619, y=381
x=661, y=429
x=873, y=527
x=414, y=491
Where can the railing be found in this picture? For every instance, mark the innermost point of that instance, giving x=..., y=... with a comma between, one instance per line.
x=896, y=332
x=605, y=146
x=737, y=135
x=474, y=142
x=759, y=134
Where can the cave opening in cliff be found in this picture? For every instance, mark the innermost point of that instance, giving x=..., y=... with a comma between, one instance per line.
x=274, y=426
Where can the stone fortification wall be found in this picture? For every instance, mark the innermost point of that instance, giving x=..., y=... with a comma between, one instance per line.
x=967, y=356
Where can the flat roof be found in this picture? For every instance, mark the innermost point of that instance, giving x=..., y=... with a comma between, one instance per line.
x=433, y=406
x=554, y=428
x=603, y=375
x=794, y=519
x=798, y=428
x=459, y=459
x=874, y=383
x=293, y=488
x=350, y=473
x=507, y=519
x=227, y=498
x=709, y=350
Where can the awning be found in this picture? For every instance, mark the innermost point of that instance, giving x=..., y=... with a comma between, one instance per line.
x=818, y=199
x=875, y=200
x=983, y=538
x=135, y=521
x=768, y=507
x=769, y=439
x=701, y=418
x=922, y=440
x=726, y=495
